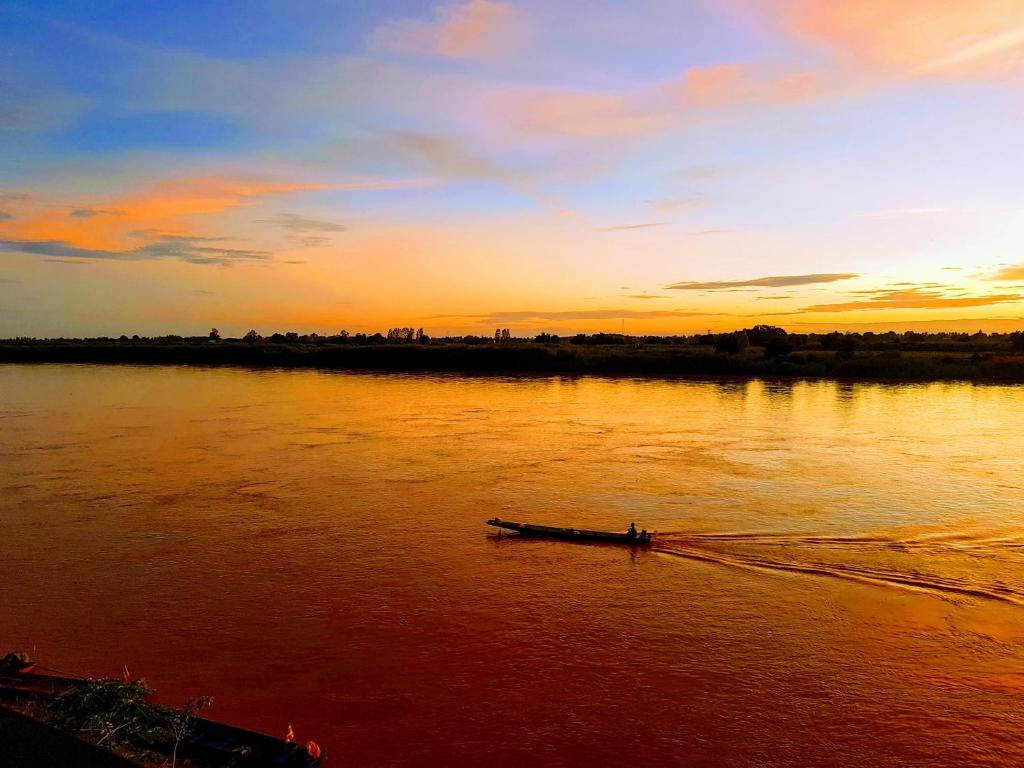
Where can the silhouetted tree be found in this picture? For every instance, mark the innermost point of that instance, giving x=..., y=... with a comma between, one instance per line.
x=214, y=334
x=777, y=346
x=401, y=334
x=760, y=335
x=595, y=339
x=846, y=346
x=727, y=343
x=251, y=337
x=1017, y=340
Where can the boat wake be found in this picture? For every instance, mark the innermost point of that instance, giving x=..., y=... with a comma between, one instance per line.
x=985, y=567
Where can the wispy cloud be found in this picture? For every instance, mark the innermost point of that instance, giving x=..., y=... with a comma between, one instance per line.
x=194, y=250
x=366, y=184
x=538, y=316
x=294, y=222
x=585, y=114
x=698, y=172
x=28, y=104
x=88, y=213
x=667, y=206
x=620, y=227
x=167, y=204
x=6, y=216
x=776, y=281
x=916, y=298
x=452, y=158
x=643, y=296
x=477, y=29
x=1013, y=272
x=964, y=38
x=892, y=213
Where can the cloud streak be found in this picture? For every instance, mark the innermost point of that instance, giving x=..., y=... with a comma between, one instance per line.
x=915, y=298
x=294, y=222
x=539, y=316
x=194, y=250
x=88, y=213
x=477, y=29
x=667, y=206
x=962, y=38
x=775, y=281
x=1015, y=272
x=620, y=227
x=168, y=204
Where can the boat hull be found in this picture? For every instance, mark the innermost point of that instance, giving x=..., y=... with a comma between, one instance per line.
x=217, y=744
x=571, y=534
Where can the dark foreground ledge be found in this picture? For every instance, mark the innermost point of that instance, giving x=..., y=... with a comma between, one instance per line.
x=526, y=358
x=27, y=743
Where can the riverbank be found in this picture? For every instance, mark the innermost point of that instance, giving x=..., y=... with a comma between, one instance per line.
x=536, y=358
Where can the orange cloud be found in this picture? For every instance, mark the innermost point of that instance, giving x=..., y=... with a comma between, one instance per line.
x=587, y=114
x=166, y=205
x=471, y=29
x=668, y=206
x=916, y=298
x=952, y=37
x=1009, y=273
x=716, y=86
x=474, y=30
x=648, y=110
x=725, y=85
x=793, y=88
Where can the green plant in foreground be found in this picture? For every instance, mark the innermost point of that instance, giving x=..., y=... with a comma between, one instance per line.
x=181, y=722
x=114, y=713
x=111, y=712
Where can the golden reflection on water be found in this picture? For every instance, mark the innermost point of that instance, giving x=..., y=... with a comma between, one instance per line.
x=837, y=580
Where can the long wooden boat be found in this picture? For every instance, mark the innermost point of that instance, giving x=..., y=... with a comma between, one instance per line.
x=632, y=538
x=213, y=743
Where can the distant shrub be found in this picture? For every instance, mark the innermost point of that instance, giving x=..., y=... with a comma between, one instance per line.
x=777, y=346
x=727, y=344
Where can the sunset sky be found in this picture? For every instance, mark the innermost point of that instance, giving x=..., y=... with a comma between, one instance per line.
x=669, y=166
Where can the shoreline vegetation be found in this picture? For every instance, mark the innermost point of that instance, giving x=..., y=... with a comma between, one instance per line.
x=761, y=351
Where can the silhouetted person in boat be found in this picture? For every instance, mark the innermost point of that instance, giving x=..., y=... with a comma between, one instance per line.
x=632, y=531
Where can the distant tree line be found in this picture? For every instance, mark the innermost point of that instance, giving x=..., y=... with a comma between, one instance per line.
x=761, y=340
x=761, y=350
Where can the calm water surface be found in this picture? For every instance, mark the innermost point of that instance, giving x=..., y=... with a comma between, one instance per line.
x=838, y=577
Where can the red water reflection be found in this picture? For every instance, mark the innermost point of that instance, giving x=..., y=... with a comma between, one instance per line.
x=308, y=548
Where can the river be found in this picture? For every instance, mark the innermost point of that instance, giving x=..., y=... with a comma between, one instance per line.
x=837, y=576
